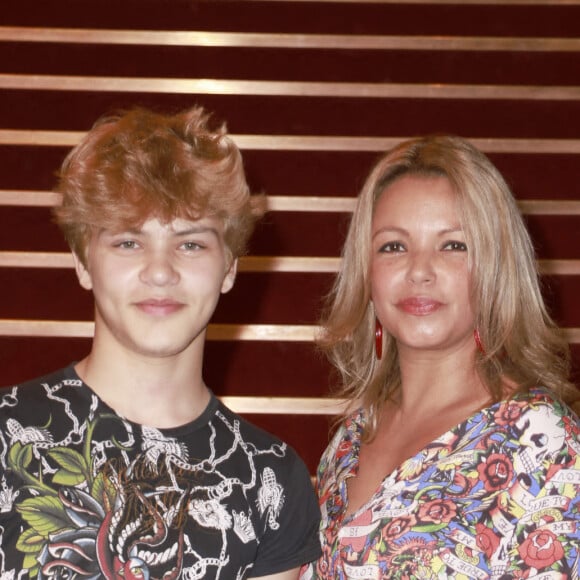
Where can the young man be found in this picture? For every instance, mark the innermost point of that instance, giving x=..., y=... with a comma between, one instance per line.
x=125, y=465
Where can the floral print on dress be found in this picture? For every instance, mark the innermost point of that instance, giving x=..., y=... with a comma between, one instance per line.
x=497, y=497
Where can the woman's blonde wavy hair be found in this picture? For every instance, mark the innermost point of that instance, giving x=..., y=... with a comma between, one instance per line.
x=522, y=343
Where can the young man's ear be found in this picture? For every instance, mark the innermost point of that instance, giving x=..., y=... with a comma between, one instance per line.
x=82, y=273
x=230, y=277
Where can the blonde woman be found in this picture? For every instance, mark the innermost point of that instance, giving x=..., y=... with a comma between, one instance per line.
x=458, y=456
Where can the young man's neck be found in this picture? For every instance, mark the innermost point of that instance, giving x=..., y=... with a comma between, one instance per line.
x=163, y=392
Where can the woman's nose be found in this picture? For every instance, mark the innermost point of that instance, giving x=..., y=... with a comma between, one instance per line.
x=421, y=267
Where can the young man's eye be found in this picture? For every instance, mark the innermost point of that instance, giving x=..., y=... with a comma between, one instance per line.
x=391, y=247
x=126, y=244
x=455, y=246
x=191, y=246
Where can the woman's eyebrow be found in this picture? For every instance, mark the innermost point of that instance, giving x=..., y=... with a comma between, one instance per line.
x=391, y=229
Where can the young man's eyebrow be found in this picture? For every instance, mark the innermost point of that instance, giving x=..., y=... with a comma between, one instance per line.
x=196, y=230
x=185, y=231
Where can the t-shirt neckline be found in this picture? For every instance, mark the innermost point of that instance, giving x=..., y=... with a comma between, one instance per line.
x=199, y=422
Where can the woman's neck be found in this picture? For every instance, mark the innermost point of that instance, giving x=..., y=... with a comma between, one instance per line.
x=433, y=381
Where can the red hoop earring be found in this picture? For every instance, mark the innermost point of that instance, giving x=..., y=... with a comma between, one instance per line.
x=478, y=342
x=378, y=339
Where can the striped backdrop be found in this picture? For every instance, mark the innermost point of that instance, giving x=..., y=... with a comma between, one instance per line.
x=312, y=91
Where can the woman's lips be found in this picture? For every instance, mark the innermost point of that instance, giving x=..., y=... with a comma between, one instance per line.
x=162, y=307
x=418, y=306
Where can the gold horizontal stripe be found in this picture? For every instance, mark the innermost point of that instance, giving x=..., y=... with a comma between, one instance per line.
x=308, y=264
x=36, y=260
x=310, y=142
x=296, y=203
x=550, y=207
x=436, y=2
x=284, y=405
x=265, y=332
x=347, y=204
x=40, y=137
x=337, y=143
x=44, y=328
x=287, y=88
x=215, y=332
x=297, y=41
x=288, y=264
x=559, y=267
x=308, y=204
x=27, y=198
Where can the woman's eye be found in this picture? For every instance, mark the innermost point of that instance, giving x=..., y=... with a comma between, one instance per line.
x=392, y=247
x=455, y=246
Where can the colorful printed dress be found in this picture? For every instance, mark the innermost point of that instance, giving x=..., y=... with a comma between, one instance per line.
x=496, y=497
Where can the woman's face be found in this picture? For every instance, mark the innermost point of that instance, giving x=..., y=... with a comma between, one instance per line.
x=419, y=266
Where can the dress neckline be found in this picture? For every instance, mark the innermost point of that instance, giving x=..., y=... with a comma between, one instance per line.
x=353, y=430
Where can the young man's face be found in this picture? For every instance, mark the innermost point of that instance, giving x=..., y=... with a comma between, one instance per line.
x=156, y=288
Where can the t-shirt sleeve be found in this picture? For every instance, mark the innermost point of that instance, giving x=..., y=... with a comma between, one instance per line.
x=294, y=540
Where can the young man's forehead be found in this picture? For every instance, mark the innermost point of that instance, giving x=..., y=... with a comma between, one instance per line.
x=177, y=226
x=187, y=225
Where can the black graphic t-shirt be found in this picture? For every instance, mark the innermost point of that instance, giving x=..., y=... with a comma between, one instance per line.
x=87, y=494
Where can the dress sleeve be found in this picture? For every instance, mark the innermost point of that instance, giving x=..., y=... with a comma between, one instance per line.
x=546, y=534
x=293, y=539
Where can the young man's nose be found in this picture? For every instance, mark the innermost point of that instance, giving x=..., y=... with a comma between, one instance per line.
x=159, y=269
